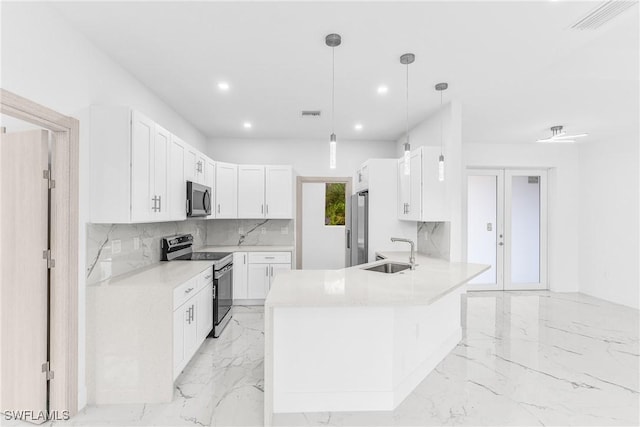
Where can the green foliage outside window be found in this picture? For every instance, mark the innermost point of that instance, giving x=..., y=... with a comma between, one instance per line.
x=335, y=204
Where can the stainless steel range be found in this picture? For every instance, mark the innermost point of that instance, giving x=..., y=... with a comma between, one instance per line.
x=180, y=248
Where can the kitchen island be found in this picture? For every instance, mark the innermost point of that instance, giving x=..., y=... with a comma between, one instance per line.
x=358, y=340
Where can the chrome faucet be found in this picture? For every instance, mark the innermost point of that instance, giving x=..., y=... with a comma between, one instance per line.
x=412, y=258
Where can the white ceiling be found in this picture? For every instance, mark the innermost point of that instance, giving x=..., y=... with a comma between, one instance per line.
x=516, y=67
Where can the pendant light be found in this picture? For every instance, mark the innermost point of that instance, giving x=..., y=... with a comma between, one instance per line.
x=333, y=40
x=407, y=59
x=441, y=87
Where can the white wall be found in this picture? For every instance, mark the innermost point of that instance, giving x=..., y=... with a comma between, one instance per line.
x=563, y=190
x=609, y=193
x=47, y=62
x=308, y=157
x=324, y=246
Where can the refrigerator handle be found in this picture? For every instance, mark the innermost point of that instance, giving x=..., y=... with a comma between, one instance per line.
x=348, y=239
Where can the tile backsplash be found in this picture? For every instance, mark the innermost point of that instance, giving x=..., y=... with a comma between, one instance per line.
x=250, y=232
x=116, y=249
x=434, y=239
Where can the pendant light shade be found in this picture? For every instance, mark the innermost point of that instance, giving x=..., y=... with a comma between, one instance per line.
x=441, y=87
x=333, y=40
x=407, y=59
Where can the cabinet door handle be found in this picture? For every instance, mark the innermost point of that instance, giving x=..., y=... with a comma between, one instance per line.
x=408, y=208
x=266, y=271
x=245, y=259
x=218, y=207
x=267, y=208
x=193, y=313
x=188, y=290
x=159, y=203
x=271, y=271
x=261, y=208
x=207, y=277
x=188, y=313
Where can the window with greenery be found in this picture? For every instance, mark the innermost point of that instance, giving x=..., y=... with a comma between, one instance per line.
x=335, y=203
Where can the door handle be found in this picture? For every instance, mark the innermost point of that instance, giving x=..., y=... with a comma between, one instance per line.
x=500, y=244
x=348, y=239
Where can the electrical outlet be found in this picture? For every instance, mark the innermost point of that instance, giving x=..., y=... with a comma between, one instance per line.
x=136, y=243
x=116, y=247
x=284, y=230
x=263, y=230
x=240, y=230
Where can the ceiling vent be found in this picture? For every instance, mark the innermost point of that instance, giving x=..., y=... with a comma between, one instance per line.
x=602, y=14
x=310, y=113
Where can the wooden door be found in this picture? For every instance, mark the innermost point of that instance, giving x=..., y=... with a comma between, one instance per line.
x=23, y=270
x=279, y=192
x=250, y=191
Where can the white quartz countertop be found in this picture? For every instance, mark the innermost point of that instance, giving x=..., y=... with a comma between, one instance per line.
x=263, y=248
x=167, y=274
x=354, y=286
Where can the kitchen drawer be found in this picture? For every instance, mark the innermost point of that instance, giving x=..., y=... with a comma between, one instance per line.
x=269, y=257
x=205, y=278
x=185, y=291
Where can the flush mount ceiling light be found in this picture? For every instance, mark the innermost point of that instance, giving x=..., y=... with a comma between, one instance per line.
x=333, y=40
x=407, y=59
x=247, y=125
x=558, y=135
x=382, y=90
x=224, y=86
x=358, y=126
x=441, y=87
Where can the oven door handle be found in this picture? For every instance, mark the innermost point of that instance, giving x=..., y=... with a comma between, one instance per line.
x=218, y=274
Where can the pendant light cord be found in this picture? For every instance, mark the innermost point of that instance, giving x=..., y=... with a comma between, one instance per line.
x=333, y=88
x=407, y=121
x=441, y=123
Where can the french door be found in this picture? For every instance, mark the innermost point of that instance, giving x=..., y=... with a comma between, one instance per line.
x=507, y=228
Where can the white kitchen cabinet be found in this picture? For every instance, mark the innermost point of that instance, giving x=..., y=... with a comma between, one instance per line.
x=204, y=311
x=134, y=177
x=421, y=196
x=210, y=176
x=409, y=187
x=251, y=192
x=278, y=192
x=185, y=335
x=201, y=169
x=190, y=164
x=176, y=190
x=361, y=178
x=240, y=282
x=226, y=190
x=262, y=268
x=258, y=281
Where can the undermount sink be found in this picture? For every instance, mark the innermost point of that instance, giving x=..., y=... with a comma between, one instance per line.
x=389, y=267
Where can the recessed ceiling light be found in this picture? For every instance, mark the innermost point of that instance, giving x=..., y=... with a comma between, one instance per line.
x=223, y=86
x=247, y=125
x=382, y=90
x=358, y=126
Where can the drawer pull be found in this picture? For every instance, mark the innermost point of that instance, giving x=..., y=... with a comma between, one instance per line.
x=188, y=290
x=208, y=276
x=269, y=257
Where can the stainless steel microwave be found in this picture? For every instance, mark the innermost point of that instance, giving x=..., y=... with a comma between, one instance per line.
x=198, y=199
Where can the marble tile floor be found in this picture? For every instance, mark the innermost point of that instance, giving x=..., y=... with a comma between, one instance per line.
x=526, y=358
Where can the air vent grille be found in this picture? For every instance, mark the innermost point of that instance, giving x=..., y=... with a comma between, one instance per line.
x=602, y=14
x=310, y=113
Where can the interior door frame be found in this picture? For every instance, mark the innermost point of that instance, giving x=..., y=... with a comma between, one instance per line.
x=503, y=226
x=63, y=298
x=300, y=180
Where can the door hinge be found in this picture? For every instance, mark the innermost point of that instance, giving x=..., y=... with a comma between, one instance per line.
x=46, y=254
x=46, y=174
x=47, y=371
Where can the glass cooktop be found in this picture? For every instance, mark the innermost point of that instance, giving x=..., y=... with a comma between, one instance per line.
x=203, y=256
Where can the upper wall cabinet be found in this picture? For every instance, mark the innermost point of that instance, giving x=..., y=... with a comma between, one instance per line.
x=226, y=190
x=129, y=167
x=251, y=191
x=278, y=192
x=210, y=181
x=177, y=189
x=421, y=196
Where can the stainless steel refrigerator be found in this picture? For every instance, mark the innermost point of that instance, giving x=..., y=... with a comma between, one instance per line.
x=357, y=229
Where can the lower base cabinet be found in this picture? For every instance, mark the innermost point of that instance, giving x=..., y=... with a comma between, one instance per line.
x=254, y=272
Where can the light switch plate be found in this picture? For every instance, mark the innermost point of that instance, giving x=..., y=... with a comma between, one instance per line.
x=116, y=247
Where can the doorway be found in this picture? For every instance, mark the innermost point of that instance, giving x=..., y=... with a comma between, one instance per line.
x=321, y=214
x=507, y=228
x=38, y=263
